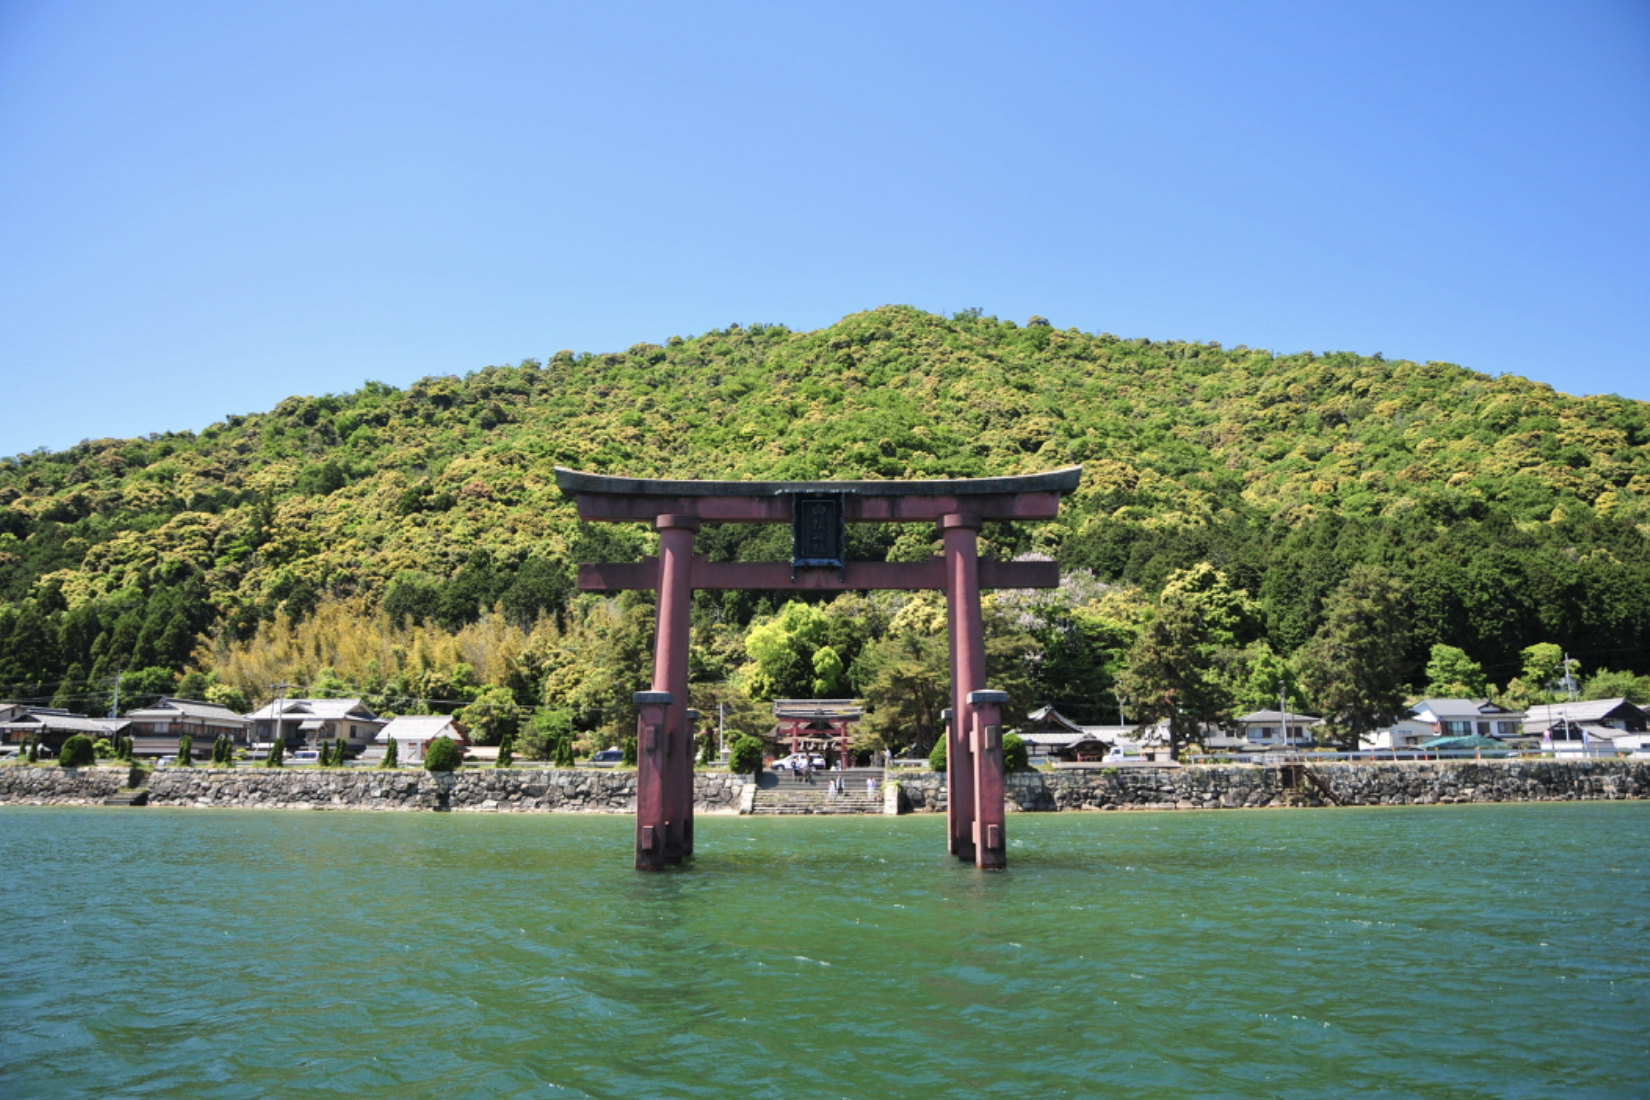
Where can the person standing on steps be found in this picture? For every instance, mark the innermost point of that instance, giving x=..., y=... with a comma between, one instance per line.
x=870, y=787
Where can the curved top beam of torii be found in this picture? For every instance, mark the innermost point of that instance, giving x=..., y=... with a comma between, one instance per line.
x=602, y=498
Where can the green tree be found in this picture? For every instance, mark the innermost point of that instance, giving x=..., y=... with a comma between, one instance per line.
x=1543, y=669
x=277, y=754
x=1177, y=671
x=506, y=748
x=1606, y=684
x=1451, y=674
x=390, y=756
x=937, y=756
x=1356, y=665
x=492, y=717
x=791, y=656
x=745, y=755
x=186, y=751
x=1016, y=757
x=77, y=752
x=442, y=756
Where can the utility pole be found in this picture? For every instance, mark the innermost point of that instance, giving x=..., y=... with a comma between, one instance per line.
x=1283, y=709
x=276, y=710
x=114, y=707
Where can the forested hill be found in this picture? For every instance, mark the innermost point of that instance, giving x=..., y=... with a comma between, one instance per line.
x=1518, y=514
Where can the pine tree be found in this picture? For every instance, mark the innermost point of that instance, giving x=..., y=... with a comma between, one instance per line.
x=1356, y=664
x=277, y=754
x=390, y=754
x=505, y=755
x=186, y=751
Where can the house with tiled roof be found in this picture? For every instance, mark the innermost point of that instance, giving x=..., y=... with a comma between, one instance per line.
x=312, y=721
x=1593, y=727
x=155, y=730
x=51, y=727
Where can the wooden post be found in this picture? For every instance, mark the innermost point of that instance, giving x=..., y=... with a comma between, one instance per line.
x=670, y=675
x=651, y=821
x=962, y=597
x=990, y=784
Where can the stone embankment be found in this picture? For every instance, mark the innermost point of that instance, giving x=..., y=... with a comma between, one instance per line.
x=1235, y=786
x=582, y=790
x=563, y=790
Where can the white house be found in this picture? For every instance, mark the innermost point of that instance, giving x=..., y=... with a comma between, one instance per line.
x=313, y=721
x=1265, y=729
x=412, y=734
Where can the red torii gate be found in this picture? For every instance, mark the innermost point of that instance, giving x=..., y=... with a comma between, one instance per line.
x=818, y=512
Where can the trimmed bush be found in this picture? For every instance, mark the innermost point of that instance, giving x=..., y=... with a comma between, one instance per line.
x=103, y=748
x=562, y=751
x=277, y=754
x=629, y=745
x=1016, y=757
x=442, y=755
x=746, y=754
x=186, y=751
x=77, y=752
x=505, y=749
x=34, y=750
x=390, y=757
x=936, y=758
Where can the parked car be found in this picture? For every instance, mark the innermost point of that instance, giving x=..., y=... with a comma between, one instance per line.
x=166, y=762
x=799, y=760
x=304, y=756
x=607, y=758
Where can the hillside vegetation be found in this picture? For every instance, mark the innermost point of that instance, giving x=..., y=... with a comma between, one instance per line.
x=1515, y=514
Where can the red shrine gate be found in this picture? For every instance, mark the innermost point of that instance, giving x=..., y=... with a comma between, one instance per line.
x=818, y=512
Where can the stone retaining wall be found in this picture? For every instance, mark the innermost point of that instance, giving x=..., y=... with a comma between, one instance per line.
x=1231, y=786
x=566, y=790
x=562, y=790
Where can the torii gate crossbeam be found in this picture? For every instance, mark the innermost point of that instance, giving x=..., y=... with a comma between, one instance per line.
x=818, y=512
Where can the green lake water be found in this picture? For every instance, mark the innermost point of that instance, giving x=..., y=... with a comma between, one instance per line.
x=1477, y=951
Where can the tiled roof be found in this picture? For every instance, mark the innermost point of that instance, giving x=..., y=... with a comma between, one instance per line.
x=324, y=709
x=1276, y=716
x=1592, y=710
x=44, y=721
x=168, y=709
x=1458, y=709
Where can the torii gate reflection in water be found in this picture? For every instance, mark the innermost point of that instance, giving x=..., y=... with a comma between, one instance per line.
x=818, y=512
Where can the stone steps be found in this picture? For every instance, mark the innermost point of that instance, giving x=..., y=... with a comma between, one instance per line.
x=139, y=797
x=786, y=796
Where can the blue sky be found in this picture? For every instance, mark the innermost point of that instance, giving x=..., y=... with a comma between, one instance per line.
x=205, y=207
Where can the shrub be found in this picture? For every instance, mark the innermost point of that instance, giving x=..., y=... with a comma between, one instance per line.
x=77, y=752
x=506, y=749
x=390, y=757
x=442, y=755
x=186, y=751
x=1016, y=758
x=630, y=751
x=936, y=758
x=746, y=754
x=103, y=749
x=277, y=754
x=34, y=750
x=562, y=751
